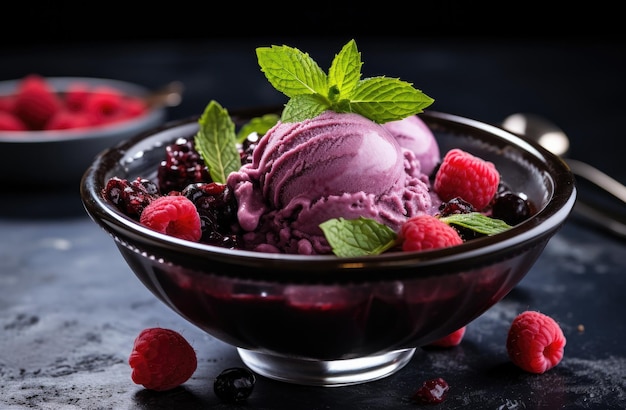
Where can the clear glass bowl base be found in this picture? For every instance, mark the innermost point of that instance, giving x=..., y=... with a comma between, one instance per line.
x=332, y=373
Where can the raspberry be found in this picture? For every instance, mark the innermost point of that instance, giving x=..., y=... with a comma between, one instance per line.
x=161, y=359
x=7, y=103
x=451, y=340
x=36, y=101
x=9, y=122
x=432, y=391
x=133, y=107
x=535, y=342
x=424, y=232
x=173, y=215
x=105, y=104
x=76, y=96
x=66, y=119
x=461, y=174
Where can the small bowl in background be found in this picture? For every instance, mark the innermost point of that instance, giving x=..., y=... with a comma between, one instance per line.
x=325, y=320
x=60, y=157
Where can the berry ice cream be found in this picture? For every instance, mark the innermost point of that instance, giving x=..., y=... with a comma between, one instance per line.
x=334, y=165
x=412, y=133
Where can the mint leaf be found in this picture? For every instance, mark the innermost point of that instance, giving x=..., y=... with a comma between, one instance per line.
x=216, y=142
x=301, y=107
x=258, y=125
x=291, y=71
x=296, y=74
x=358, y=237
x=383, y=99
x=345, y=72
x=477, y=222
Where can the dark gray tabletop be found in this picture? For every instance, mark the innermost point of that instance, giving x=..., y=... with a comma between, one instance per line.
x=70, y=307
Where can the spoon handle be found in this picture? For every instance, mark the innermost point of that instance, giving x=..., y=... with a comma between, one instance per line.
x=594, y=175
x=600, y=217
x=170, y=95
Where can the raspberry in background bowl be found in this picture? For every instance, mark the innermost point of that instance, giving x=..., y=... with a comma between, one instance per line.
x=327, y=320
x=40, y=156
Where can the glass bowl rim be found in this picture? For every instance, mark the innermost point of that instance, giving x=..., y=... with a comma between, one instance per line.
x=471, y=254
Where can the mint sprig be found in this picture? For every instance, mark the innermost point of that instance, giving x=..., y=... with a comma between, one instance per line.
x=311, y=91
x=216, y=142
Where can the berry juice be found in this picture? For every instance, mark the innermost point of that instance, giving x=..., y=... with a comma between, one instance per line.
x=326, y=322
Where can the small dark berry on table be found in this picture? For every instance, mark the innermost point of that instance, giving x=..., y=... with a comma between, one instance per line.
x=433, y=391
x=234, y=385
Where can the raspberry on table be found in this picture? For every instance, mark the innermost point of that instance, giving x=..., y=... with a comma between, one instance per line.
x=464, y=175
x=451, y=340
x=162, y=359
x=174, y=215
x=535, y=342
x=423, y=232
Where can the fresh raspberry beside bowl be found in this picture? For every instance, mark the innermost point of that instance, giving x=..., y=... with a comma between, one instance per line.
x=51, y=128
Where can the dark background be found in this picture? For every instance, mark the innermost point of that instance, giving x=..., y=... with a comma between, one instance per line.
x=62, y=22
x=485, y=62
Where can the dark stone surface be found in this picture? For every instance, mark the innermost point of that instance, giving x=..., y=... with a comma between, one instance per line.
x=70, y=307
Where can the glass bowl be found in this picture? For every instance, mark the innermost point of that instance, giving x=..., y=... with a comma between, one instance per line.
x=63, y=155
x=325, y=320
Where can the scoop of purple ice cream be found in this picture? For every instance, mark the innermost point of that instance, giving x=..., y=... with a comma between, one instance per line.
x=334, y=165
x=412, y=133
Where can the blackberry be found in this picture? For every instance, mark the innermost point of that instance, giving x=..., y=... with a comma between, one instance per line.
x=510, y=207
x=247, y=148
x=217, y=208
x=183, y=165
x=234, y=385
x=457, y=206
x=130, y=197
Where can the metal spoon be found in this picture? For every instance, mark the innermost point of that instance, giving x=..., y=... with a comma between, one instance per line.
x=170, y=95
x=551, y=137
